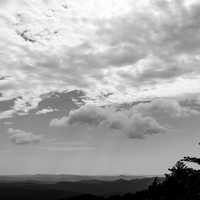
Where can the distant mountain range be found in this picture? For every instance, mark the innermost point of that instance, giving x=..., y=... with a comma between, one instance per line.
x=48, y=178
x=65, y=187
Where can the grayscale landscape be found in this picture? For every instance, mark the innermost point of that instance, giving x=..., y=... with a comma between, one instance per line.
x=100, y=99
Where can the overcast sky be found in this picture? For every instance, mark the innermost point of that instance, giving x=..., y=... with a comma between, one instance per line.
x=98, y=86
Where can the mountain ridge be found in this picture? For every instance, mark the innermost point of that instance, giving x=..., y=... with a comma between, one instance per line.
x=70, y=177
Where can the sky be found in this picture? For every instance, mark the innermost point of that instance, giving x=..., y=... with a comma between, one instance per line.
x=98, y=87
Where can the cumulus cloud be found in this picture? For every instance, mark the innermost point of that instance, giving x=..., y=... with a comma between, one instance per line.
x=135, y=121
x=88, y=114
x=142, y=126
x=134, y=125
x=20, y=137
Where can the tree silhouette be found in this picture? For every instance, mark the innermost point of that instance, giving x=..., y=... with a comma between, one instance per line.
x=192, y=159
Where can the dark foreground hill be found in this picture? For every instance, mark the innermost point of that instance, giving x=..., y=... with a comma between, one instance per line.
x=182, y=183
x=64, y=190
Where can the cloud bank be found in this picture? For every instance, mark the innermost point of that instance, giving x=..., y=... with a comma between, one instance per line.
x=133, y=125
x=136, y=122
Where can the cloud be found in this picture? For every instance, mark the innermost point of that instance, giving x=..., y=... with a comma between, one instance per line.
x=153, y=70
x=45, y=111
x=142, y=126
x=133, y=125
x=135, y=121
x=7, y=114
x=118, y=47
x=171, y=51
x=20, y=137
x=59, y=122
x=171, y=107
x=89, y=114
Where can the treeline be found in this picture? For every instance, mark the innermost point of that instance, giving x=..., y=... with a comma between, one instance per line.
x=182, y=183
